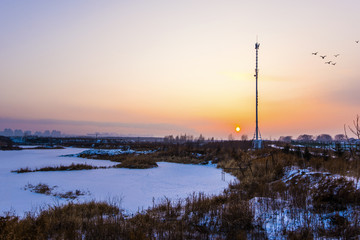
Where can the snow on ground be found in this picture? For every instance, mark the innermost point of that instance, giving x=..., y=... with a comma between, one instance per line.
x=135, y=187
x=28, y=146
x=277, y=215
x=314, y=176
x=110, y=152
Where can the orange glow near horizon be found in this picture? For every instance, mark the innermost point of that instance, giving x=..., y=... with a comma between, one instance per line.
x=132, y=67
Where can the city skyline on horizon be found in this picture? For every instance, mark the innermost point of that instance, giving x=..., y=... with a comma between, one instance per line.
x=9, y=132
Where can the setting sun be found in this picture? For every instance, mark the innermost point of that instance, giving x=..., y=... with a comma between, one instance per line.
x=237, y=129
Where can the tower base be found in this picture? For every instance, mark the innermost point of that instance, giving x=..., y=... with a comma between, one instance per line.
x=257, y=144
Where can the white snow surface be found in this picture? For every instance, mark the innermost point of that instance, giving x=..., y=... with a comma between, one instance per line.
x=136, y=188
x=110, y=152
x=314, y=176
x=277, y=215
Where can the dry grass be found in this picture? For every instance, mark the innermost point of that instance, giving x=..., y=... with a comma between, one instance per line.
x=43, y=188
x=137, y=162
x=200, y=217
x=72, y=167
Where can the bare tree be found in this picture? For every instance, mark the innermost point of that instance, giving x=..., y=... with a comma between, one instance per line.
x=287, y=139
x=354, y=151
x=340, y=138
x=244, y=137
x=305, y=138
x=324, y=138
x=356, y=129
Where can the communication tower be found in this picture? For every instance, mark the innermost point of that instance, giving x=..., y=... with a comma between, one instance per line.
x=257, y=142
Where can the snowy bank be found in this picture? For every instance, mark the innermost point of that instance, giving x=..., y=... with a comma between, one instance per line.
x=135, y=187
x=107, y=152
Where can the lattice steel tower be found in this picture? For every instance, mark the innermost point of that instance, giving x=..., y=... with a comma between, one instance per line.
x=257, y=142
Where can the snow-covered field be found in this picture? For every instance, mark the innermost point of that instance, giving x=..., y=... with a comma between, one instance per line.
x=278, y=216
x=137, y=188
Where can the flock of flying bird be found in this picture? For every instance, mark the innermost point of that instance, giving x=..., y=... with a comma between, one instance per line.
x=324, y=56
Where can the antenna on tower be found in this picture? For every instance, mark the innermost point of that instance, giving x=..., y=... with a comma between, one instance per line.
x=257, y=142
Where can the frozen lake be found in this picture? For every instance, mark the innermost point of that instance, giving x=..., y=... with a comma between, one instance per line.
x=135, y=187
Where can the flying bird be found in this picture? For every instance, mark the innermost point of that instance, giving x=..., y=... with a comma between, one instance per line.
x=323, y=56
x=357, y=41
x=328, y=62
x=314, y=53
x=333, y=64
x=336, y=55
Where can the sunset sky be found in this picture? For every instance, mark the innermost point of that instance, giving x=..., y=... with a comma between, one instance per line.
x=173, y=67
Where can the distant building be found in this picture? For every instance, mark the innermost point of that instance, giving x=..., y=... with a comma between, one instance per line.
x=38, y=133
x=18, y=133
x=8, y=132
x=27, y=133
x=46, y=133
x=55, y=133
